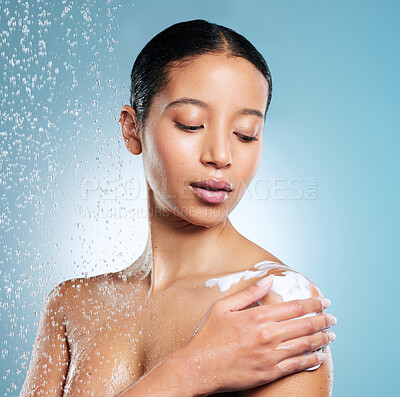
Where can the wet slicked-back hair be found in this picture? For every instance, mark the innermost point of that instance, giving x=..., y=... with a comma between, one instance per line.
x=180, y=43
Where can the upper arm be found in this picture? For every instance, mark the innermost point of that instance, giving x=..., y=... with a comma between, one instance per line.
x=315, y=383
x=49, y=362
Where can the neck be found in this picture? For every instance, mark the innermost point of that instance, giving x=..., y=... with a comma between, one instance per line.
x=177, y=249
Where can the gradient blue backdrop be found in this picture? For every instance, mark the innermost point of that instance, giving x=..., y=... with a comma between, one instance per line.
x=67, y=182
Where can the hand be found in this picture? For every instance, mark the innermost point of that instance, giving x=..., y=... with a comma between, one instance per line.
x=234, y=349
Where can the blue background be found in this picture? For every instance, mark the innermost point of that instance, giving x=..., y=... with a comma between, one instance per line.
x=73, y=199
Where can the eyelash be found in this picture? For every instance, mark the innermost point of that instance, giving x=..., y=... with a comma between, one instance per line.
x=187, y=127
x=195, y=128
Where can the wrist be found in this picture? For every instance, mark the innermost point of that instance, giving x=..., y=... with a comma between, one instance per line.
x=189, y=370
x=181, y=368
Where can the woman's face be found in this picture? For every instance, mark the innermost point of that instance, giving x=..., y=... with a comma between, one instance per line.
x=200, y=128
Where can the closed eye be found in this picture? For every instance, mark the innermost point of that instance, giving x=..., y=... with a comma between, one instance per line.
x=246, y=138
x=243, y=138
x=188, y=127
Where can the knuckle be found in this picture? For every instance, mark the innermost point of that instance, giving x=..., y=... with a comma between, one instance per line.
x=306, y=344
x=295, y=366
x=265, y=335
x=262, y=361
x=298, y=307
x=309, y=326
x=259, y=317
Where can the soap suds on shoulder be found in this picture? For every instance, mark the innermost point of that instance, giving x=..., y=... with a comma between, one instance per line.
x=291, y=285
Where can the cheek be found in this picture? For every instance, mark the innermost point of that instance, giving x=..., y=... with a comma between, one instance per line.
x=169, y=154
x=249, y=162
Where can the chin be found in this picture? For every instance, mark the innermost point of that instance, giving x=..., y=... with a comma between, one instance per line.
x=207, y=223
x=207, y=217
x=198, y=214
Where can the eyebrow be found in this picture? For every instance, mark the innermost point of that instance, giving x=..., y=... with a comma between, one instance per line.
x=197, y=102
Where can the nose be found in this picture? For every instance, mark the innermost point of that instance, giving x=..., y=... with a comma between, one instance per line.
x=216, y=150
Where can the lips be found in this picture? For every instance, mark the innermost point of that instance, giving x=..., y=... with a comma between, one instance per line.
x=213, y=185
x=212, y=191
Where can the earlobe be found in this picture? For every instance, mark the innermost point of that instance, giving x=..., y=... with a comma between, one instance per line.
x=129, y=130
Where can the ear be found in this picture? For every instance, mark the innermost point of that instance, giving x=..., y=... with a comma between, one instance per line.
x=130, y=134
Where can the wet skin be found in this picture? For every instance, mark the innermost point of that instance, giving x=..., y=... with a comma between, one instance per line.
x=105, y=332
x=116, y=332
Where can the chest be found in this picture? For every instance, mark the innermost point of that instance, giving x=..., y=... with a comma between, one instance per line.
x=112, y=350
x=169, y=322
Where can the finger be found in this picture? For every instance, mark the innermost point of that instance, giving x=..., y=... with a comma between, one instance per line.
x=245, y=297
x=292, y=309
x=293, y=329
x=300, y=363
x=305, y=344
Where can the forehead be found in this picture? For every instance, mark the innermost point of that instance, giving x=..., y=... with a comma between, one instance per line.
x=225, y=83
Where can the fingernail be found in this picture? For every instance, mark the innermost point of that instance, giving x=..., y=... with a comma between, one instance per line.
x=331, y=335
x=333, y=319
x=321, y=356
x=325, y=302
x=264, y=281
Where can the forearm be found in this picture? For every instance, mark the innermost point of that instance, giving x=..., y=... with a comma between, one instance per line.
x=175, y=376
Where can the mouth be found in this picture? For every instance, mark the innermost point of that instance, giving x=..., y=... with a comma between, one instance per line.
x=213, y=185
x=212, y=191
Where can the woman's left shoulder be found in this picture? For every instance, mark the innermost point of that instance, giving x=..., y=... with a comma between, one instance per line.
x=289, y=282
x=248, y=254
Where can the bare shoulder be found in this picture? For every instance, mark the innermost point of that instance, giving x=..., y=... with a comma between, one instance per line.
x=75, y=290
x=96, y=296
x=50, y=355
x=244, y=254
x=289, y=283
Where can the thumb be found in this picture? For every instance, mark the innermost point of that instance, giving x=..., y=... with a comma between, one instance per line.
x=241, y=299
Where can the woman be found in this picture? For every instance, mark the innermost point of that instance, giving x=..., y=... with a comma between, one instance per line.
x=172, y=323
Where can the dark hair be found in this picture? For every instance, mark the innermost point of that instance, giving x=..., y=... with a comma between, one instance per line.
x=180, y=43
